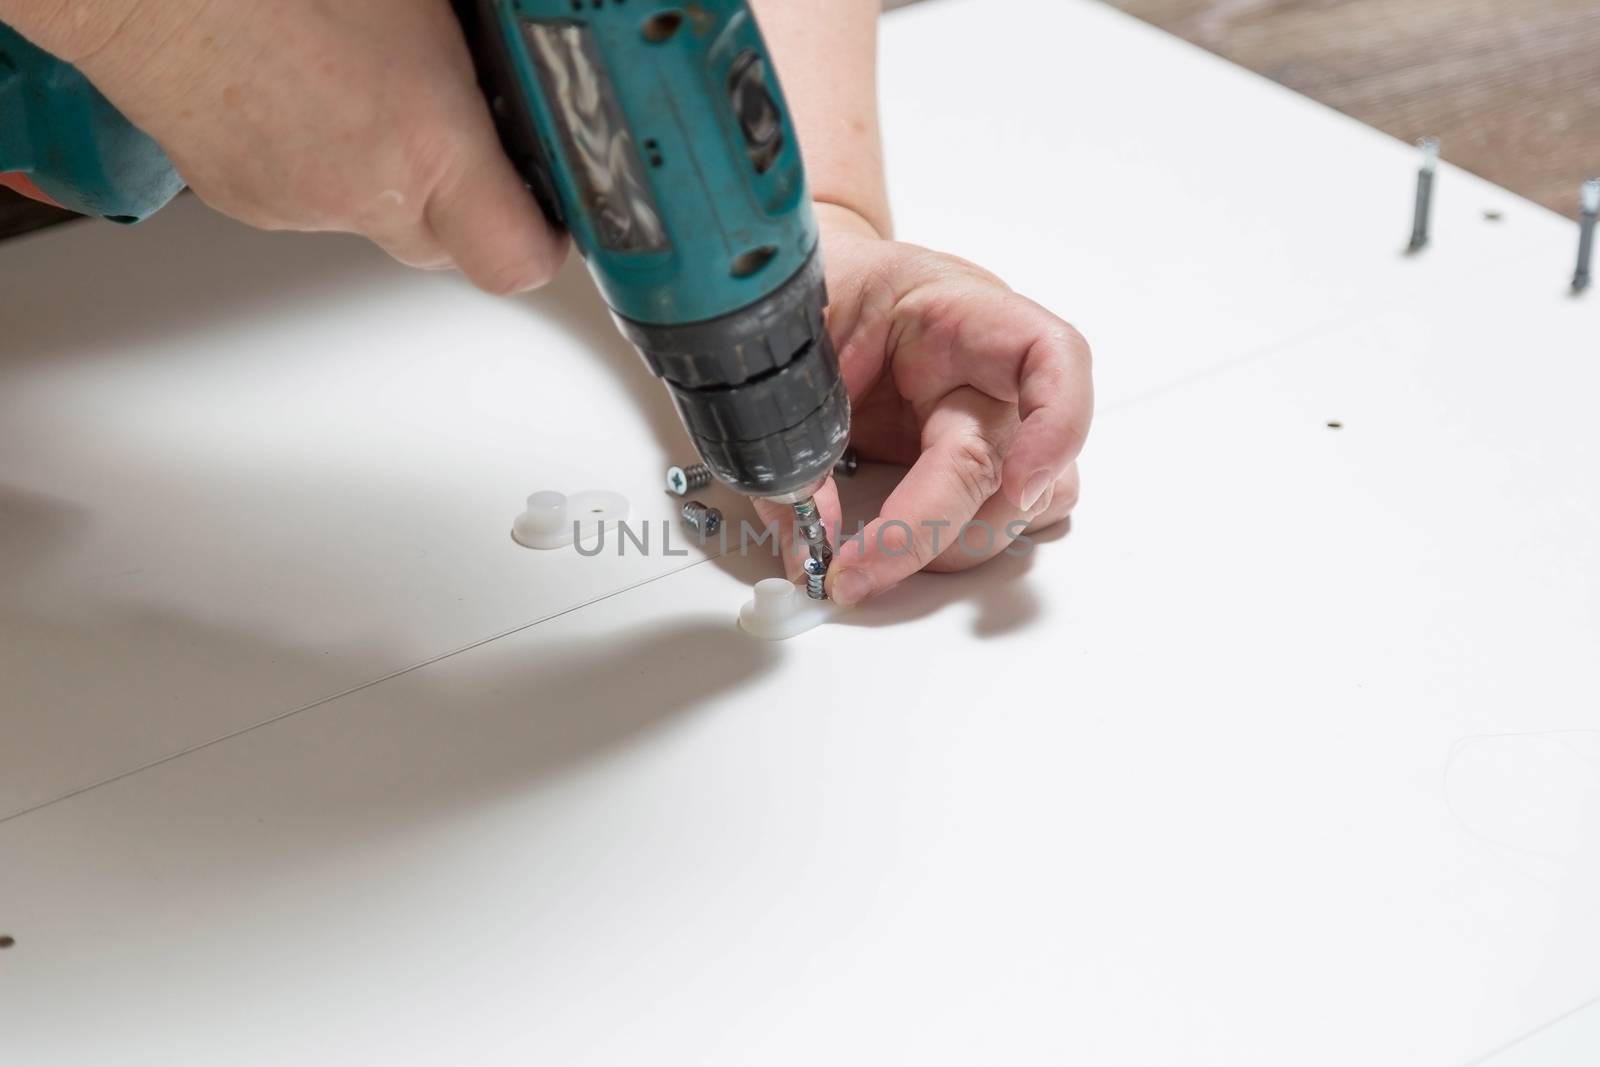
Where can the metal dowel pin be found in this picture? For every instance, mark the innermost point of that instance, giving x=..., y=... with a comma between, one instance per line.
x=1429, y=147
x=1590, y=208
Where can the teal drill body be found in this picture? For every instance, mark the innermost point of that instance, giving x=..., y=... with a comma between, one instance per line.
x=66, y=139
x=657, y=135
x=652, y=170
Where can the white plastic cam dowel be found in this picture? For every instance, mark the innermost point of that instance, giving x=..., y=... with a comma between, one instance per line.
x=779, y=610
x=550, y=517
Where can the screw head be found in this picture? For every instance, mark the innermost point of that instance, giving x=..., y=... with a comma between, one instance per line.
x=814, y=567
x=704, y=518
x=677, y=481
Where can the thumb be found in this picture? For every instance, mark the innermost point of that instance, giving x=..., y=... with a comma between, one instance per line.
x=487, y=220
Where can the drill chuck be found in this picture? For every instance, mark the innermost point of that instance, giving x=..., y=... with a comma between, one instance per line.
x=759, y=389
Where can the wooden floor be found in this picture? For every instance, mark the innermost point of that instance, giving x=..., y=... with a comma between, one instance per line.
x=19, y=215
x=1511, y=87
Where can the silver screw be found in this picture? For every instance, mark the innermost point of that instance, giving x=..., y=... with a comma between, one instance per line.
x=1590, y=210
x=1419, y=224
x=846, y=467
x=703, y=518
x=681, y=481
x=809, y=521
x=816, y=575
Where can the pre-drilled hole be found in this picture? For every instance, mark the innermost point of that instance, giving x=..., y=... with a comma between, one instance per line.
x=6, y=941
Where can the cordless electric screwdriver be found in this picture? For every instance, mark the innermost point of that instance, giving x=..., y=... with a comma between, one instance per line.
x=657, y=136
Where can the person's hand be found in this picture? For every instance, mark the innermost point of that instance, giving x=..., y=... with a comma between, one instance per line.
x=357, y=115
x=982, y=393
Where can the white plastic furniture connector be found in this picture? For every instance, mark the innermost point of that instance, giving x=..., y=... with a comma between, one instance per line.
x=779, y=610
x=548, y=520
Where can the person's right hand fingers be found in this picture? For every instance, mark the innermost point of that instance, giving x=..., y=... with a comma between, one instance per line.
x=999, y=524
x=964, y=441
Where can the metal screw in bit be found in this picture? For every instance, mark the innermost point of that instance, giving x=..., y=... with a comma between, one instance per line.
x=1586, y=220
x=703, y=518
x=681, y=481
x=1419, y=224
x=809, y=522
x=816, y=574
x=848, y=464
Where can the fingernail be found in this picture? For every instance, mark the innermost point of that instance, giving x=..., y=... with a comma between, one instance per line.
x=851, y=586
x=1035, y=489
